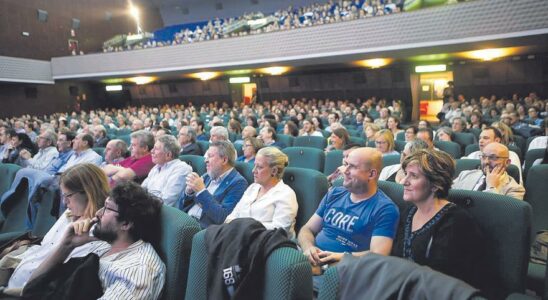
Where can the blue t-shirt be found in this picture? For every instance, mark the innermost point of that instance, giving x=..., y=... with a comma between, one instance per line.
x=349, y=226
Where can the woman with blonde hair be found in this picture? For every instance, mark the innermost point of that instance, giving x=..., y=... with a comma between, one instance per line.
x=369, y=132
x=84, y=188
x=269, y=200
x=384, y=142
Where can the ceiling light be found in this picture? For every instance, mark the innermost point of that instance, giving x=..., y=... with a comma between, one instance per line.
x=488, y=54
x=274, y=70
x=204, y=75
x=374, y=62
x=430, y=68
x=142, y=79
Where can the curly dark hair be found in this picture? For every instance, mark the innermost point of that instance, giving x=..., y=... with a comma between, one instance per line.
x=137, y=206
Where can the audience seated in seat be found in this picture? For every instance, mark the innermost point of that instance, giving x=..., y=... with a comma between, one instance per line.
x=187, y=141
x=384, y=142
x=433, y=231
x=395, y=172
x=129, y=265
x=83, y=153
x=492, y=178
x=355, y=218
x=212, y=197
x=251, y=146
x=47, y=152
x=167, y=179
x=269, y=200
x=115, y=152
x=84, y=188
x=138, y=165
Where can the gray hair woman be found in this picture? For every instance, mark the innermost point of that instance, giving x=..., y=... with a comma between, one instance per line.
x=269, y=200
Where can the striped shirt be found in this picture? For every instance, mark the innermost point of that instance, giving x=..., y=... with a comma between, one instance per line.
x=135, y=273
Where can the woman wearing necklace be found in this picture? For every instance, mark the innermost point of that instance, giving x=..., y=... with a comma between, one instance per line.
x=269, y=200
x=433, y=231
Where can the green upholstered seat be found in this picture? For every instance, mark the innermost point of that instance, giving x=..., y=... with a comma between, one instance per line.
x=173, y=247
x=197, y=162
x=310, y=186
x=310, y=141
x=530, y=158
x=287, y=273
x=305, y=157
x=451, y=148
x=333, y=160
x=466, y=164
x=246, y=170
x=286, y=139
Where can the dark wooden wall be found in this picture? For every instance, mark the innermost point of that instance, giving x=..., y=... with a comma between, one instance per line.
x=50, y=39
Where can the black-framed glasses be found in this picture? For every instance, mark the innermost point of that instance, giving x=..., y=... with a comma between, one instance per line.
x=66, y=196
x=102, y=210
x=492, y=157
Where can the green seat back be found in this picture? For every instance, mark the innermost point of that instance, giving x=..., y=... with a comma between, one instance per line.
x=513, y=171
x=197, y=162
x=174, y=245
x=330, y=285
x=286, y=139
x=14, y=209
x=466, y=164
x=100, y=151
x=530, y=158
x=44, y=220
x=7, y=174
x=287, y=273
x=333, y=160
x=536, y=194
x=470, y=149
x=357, y=140
x=451, y=148
x=310, y=186
x=239, y=149
x=389, y=160
x=246, y=170
x=400, y=136
x=203, y=145
x=126, y=138
x=305, y=157
x=310, y=141
x=464, y=139
x=399, y=145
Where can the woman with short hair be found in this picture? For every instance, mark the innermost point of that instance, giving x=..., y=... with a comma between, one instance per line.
x=384, y=142
x=433, y=231
x=250, y=147
x=269, y=200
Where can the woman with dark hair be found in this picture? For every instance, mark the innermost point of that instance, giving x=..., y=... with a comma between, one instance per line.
x=433, y=231
x=84, y=188
x=252, y=121
x=338, y=140
x=17, y=143
x=411, y=133
x=317, y=122
x=290, y=128
x=250, y=147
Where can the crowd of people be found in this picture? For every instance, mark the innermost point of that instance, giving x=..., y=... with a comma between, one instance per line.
x=139, y=170
x=283, y=19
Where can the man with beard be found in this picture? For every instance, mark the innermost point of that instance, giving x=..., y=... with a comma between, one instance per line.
x=492, y=178
x=129, y=267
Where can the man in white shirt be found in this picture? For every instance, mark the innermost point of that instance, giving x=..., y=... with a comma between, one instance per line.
x=490, y=135
x=47, y=152
x=83, y=153
x=167, y=179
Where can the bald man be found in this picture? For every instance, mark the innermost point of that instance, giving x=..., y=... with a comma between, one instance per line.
x=354, y=219
x=492, y=178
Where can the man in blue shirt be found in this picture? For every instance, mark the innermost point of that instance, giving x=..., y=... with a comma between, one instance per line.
x=354, y=219
x=64, y=146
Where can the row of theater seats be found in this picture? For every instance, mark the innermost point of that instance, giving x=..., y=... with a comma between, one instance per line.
x=507, y=224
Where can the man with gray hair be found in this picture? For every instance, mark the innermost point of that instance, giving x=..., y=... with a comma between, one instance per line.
x=47, y=152
x=187, y=141
x=167, y=179
x=115, y=152
x=218, y=133
x=100, y=136
x=212, y=197
x=138, y=165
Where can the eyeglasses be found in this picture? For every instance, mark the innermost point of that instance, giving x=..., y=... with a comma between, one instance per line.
x=70, y=195
x=492, y=157
x=381, y=142
x=102, y=210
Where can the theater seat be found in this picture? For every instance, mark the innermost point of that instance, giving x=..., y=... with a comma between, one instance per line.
x=310, y=141
x=14, y=212
x=7, y=174
x=536, y=194
x=246, y=170
x=197, y=162
x=310, y=186
x=466, y=164
x=100, y=151
x=389, y=160
x=287, y=273
x=203, y=145
x=450, y=148
x=530, y=158
x=333, y=160
x=286, y=139
x=173, y=247
x=305, y=157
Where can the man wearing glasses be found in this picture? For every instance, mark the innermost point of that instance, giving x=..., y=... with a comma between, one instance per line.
x=492, y=178
x=129, y=266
